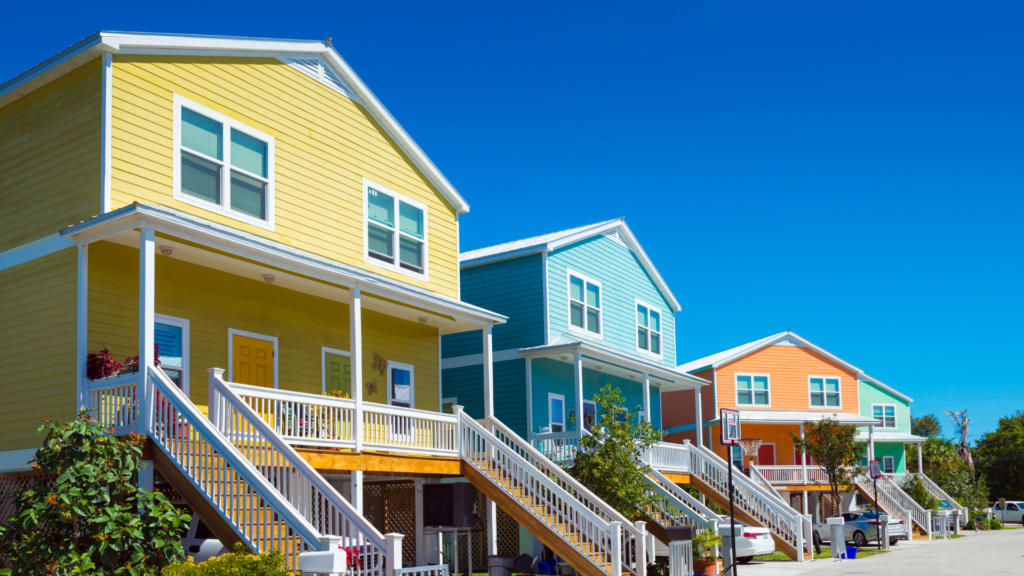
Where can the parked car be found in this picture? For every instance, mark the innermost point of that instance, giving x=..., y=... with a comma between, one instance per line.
x=1014, y=512
x=199, y=541
x=861, y=528
x=755, y=541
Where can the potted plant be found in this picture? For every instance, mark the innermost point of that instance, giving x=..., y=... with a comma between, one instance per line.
x=705, y=552
x=100, y=365
x=131, y=363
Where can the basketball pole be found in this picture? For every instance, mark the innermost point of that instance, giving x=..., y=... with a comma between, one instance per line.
x=732, y=519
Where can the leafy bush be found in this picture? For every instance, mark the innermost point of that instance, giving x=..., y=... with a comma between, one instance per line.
x=659, y=567
x=93, y=519
x=240, y=562
x=994, y=524
x=916, y=489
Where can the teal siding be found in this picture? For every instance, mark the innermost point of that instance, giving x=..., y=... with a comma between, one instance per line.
x=467, y=385
x=897, y=451
x=513, y=288
x=871, y=393
x=623, y=280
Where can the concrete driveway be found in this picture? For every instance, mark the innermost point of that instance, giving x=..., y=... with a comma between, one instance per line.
x=989, y=553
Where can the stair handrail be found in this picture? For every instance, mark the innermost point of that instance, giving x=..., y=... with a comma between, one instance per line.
x=763, y=482
x=937, y=490
x=198, y=421
x=219, y=387
x=889, y=502
x=687, y=504
x=917, y=512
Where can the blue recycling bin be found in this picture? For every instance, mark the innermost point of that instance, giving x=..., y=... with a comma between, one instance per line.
x=546, y=567
x=851, y=553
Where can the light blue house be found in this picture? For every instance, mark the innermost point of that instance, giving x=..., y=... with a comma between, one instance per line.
x=586, y=308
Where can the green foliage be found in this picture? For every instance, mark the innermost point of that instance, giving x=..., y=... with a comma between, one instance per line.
x=834, y=447
x=609, y=460
x=92, y=519
x=241, y=562
x=916, y=489
x=994, y=524
x=705, y=545
x=1000, y=457
x=659, y=567
x=927, y=426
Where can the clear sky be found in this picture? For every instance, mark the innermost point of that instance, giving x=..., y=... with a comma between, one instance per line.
x=853, y=173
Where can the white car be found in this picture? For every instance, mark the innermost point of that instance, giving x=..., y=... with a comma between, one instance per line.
x=861, y=528
x=199, y=542
x=1014, y=512
x=753, y=542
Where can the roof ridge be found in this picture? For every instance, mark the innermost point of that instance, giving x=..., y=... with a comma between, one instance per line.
x=550, y=235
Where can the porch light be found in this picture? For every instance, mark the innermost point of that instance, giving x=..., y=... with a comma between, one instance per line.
x=599, y=367
x=565, y=358
x=269, y=278
x=423, y=319
x=166, y=250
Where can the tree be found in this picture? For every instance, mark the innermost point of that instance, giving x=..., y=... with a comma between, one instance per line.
x=926, y=426
x=834, y=447
x=1001, y=457
x=915, y=488
x=963, y=448
x=936, y=454
x=610, y=459
x=87, y=515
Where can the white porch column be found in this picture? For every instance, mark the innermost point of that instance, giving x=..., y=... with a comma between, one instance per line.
x=356, y=497
x=577, y=371
x=529, y=401
x=803, y=463
x=355, y=347
x=147, y=293
x=492, y=527
x=871, y=443
x=920, y=458
x=647, y=396
x=393, y=554
x=488, y=360
x=82, y=350
x=700, y=417
x=421, y=540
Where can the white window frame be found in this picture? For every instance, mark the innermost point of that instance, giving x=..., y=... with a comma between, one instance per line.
x=568, y=305
x=895, y=418
x=564, y=424
x=224, y=208
x=661, y=332
x=412, y=381
x=324, y=351
x=824, y=406
x=397, y=266
x=453, y=399
x=232, y=332
x=736, y=385
x=892, y=465
x=184, y=325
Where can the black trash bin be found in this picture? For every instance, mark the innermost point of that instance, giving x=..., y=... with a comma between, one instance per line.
x=499, y=565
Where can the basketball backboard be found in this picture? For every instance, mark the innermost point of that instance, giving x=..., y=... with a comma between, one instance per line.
x=730, y=427
x=876, y=469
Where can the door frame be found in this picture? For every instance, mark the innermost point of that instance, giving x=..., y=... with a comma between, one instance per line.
x=182, y=323
x=585, y=403
x=232, y=332
x=324, y=351
x=775, y=454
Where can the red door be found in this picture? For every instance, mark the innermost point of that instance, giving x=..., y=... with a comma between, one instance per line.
x=766, y=455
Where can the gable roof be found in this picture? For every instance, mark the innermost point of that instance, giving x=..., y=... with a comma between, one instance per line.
x=725, y=356
x=105, y=42
x=556, y=240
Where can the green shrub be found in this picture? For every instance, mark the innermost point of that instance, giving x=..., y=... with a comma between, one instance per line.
x=240, y=562
x=994, y=524
x=659, y=567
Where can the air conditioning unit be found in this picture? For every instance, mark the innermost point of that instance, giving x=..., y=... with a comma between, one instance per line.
x=449, y=505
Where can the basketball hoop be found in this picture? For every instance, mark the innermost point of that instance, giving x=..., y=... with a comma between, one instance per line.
x=750, y=445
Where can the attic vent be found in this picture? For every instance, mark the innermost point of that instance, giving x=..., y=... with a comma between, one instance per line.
x=316, y=68
x=614, y=236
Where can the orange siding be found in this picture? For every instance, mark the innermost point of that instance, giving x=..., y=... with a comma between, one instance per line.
x=677, y=408
x=777, y=434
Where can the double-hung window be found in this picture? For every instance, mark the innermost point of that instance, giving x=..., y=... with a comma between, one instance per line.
x=648, y=328
x=223, y=165
x=888, y=465
x=584, y=304
x=885, y=414
x=824, y=391
x=171, y=337
x=396, y=231
x=752, y=390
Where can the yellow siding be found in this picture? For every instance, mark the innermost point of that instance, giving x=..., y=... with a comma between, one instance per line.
x=37, y=346
x=325, y=145
x=50, y=157
x=215, y=301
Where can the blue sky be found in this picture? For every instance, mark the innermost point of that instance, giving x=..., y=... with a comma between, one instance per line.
x=851, y=172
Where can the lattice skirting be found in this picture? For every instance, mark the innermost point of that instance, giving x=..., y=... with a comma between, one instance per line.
x=828, y=507
x=391, y=507
x=508, y=538
x=10, y=484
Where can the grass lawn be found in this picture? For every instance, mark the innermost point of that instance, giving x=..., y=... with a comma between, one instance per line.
x=826, y=553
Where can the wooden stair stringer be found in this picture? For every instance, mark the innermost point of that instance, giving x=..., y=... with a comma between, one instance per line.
x=741, y=515
x=544, y=532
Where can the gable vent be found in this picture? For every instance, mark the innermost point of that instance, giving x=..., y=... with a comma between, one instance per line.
x=316, y=68
x=614, y=236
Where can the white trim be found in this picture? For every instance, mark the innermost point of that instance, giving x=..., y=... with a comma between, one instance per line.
x=569, y=273
x=324, y=351
x=736, y=387
x=594, y=404
x=17, y=460
x=412, y=381
x=529, y=400
x=458, y=243
x=547, y=310
x=775, y=453
x=892, y=468
x=232, y=332
x=824, y=399
x=440, y=370
x=186, y=353
x=82, y=325
x=564, y=424
x=864, y=377
x=477, y=359
x=895, y=417
x=35, y=249
x=453, y=399
x=105, y=129
x=229, y=124
x=636, y=328
x=399, y=198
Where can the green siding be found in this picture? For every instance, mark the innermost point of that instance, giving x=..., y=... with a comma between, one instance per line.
x=871, y=393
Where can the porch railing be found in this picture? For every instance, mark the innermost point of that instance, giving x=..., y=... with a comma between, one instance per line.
x=558, y=447
x=312, y=420
x=115, y=402
x=668, y=457
x=938, y=492
x=793, y=474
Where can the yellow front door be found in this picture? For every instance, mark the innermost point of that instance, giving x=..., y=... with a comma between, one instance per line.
x=253, y=361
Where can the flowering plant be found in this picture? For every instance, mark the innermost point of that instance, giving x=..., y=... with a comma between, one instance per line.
x=132, y=362
x=101, y=364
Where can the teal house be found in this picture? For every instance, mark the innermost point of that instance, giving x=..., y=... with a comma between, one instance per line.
x=587, y=308
x=891, y=409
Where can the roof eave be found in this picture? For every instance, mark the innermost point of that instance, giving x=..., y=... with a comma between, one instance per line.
x=663, y=373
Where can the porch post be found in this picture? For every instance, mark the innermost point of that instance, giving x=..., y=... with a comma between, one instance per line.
x=355, y=346
x=82, y=351
x=577, y=372
x=700, y=417
x=803, y=463
x=147, y=292
x=920, y=458
x=647, y=396
x=871, y=443
x=488, y=361
x=421, y=544
x=529, y=401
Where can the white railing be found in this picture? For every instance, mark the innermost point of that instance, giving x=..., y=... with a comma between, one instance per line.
x=632, y=537
x=241, y=493
x=669, y=457
x=793, y=474
x=304, y=488
x=918, y=514
x=676, y=507
x=887, y=503
x=938, y=492
x=760, y=480
x=322, y=421
x=680, y=558
x=558, y=447
x=595, y=538
x=115, y=402
x=764, y=507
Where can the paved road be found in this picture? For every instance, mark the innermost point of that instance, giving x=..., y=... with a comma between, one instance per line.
x=987, y=553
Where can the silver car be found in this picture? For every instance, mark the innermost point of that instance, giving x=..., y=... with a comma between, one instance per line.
x=861, y=528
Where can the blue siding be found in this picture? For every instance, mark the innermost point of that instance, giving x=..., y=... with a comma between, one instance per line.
x=514, y=288
x=552, y=376
x=467, y=385
x=623, y=279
